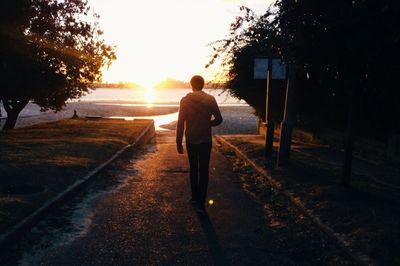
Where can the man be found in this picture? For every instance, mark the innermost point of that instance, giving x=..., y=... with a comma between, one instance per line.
x=198, y=112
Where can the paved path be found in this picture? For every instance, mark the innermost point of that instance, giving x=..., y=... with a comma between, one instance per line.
x=148, y=221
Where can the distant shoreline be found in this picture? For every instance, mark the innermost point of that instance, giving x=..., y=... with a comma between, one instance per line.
x=156, y=88
x=237, y=119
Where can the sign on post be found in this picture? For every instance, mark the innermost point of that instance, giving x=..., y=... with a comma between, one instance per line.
x=260, y=68
x=278, y=69
x=267, y=69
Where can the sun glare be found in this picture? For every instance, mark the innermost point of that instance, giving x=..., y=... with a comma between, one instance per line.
x=149, y=96
x=171, y=42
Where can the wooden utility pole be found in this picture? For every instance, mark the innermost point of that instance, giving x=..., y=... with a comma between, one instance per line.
x=269, y=124
x=288, y=119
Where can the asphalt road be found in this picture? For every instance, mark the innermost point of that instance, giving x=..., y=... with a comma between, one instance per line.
x=139, y=214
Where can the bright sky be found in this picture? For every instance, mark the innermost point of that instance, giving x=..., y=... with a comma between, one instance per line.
x=157, y=39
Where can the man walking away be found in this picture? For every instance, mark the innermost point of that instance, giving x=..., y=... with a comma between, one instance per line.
x=198, y=112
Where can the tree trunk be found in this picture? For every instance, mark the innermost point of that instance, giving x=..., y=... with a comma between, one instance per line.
x=13, y=108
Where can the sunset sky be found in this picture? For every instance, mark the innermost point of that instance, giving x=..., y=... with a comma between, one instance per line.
x=157, y=39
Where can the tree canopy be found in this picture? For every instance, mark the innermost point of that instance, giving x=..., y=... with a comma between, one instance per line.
x=51, y=51
x=250, y=36
x=339, y=48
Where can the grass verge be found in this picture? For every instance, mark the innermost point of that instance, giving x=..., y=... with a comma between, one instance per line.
x=365, y=214
x=39, y=162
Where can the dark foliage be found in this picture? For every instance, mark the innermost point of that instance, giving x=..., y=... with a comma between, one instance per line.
x=339, y=47
x=51, y=51
x=250, y=36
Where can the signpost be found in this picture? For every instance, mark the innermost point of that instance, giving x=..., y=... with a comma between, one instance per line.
x=287, y=124
x=267, y=68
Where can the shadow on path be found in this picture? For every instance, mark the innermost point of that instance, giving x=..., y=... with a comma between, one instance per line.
x=215, y=248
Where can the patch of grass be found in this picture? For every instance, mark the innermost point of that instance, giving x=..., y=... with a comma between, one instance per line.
x=367, y=214
x=253, y=151
x=53, y=156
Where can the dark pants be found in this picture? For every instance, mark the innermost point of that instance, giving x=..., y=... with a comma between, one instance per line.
x=199, y=159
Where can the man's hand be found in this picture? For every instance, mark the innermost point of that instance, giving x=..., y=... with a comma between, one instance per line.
x=179, y=147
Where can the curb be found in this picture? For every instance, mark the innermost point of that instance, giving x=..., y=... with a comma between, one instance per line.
x=33, y=218
x=358, y=259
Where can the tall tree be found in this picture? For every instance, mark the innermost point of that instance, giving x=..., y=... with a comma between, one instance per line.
x=339, y=47
x=51, y=51
x=347, y=48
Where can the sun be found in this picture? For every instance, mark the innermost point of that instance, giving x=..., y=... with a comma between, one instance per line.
x=149, y=91
x=148, y=84
x=149, y=96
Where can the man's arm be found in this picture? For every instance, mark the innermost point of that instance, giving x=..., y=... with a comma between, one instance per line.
x=180, y=127
x=216, y=113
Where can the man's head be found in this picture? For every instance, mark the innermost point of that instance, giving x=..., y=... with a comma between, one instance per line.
x=197, y=83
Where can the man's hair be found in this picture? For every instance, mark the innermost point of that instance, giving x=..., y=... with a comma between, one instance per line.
x=197, y=83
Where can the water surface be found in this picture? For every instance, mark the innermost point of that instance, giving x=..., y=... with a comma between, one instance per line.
x=154, y=97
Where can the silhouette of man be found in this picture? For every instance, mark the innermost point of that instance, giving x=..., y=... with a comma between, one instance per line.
x=198, y=112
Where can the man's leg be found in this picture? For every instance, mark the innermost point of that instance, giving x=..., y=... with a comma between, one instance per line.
x=193, y=155
x=204, y=161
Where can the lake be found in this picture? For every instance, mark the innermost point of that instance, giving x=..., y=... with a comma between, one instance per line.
x=153, y=98
x=238, y=116
x=156, y=97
